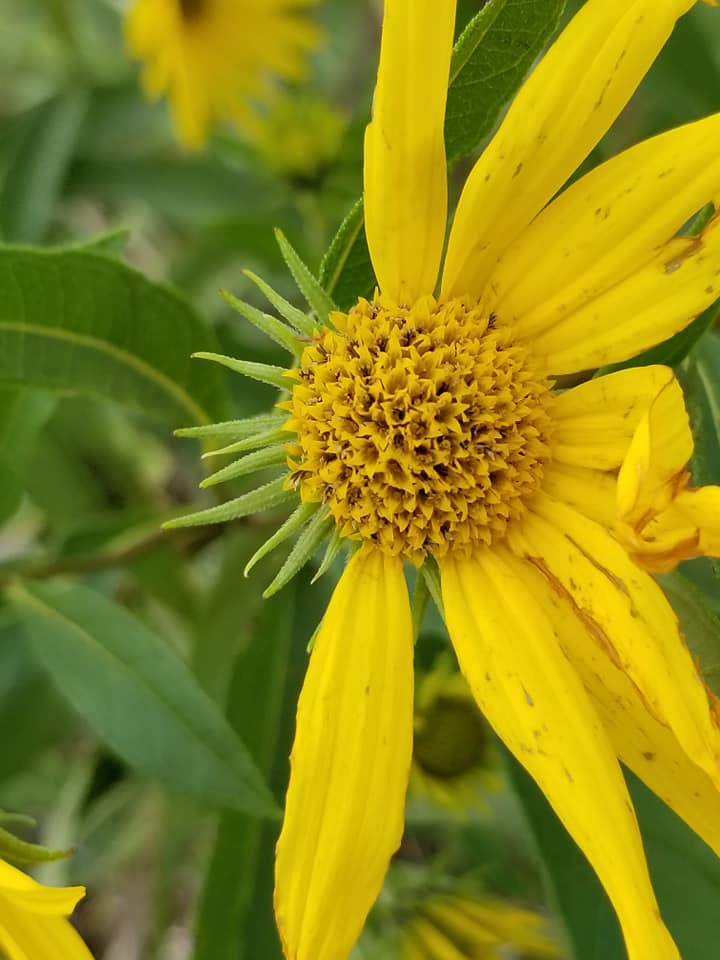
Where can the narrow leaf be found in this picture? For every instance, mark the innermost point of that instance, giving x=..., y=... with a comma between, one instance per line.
x=264, y=372
x=294, y=522
x=270, y=495
x=318, y=300
x=259, y=460
x=269, y=325
x=233, y=428
x=307, y=543
x=346, y=271
x=296, y=318
x=138, y=696
x=251, y=443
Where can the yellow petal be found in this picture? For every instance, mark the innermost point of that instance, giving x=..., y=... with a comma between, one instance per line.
x=435, y=944
x=643, y=743
x=527, y=689
x=594, y=423
x=606, y=226
x=653, y=471
x=592, y=492
x=688, y=528
x=350, y=763
x=560, y=113
x=60, y=901
x=28, y=894
x=25, y=936
x=628, y=615
x=405, y=177
x=645, y=308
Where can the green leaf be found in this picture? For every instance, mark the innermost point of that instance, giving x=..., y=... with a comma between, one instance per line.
x=271, y=494
x=490, y=61
x=700, y=626
x=685, y=875
x=23, y=414
x=40, y=163
x=138, y=696
x=346, y=271
x=318, y=300
x=77, y=321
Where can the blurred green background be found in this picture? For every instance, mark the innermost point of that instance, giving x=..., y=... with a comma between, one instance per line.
x=113, y=634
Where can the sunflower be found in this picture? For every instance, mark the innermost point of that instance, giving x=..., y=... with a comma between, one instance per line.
x=454, y=761
x=466, y=928
x=218, y=59
x=427, y=429
x=33, y=924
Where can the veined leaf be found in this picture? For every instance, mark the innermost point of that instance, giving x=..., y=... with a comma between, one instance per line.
x=77, y=321
x=138, y=696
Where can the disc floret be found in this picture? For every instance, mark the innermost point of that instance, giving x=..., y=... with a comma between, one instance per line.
x=423, y=427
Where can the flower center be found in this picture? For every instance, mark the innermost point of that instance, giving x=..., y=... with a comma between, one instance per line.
x=422, y=427
x=451, y=739
x=191, y=9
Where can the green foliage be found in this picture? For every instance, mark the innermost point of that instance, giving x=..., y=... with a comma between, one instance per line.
x=138, y=695
x=77, y=321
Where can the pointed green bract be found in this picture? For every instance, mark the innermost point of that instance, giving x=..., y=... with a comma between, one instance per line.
x=272, y=327
x=301, y=321
x=264, y=372
x=308, y=542
x=294, y=522
x=233, y=428
x=319, y=301
x=20, y=851
x=259, y=460
x=431, y=575
x=250, y=443
x=331, y=551
x=270, y=495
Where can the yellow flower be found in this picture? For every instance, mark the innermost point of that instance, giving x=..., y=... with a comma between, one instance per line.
x=299, y=137
x=461, y=928
x=427, y=429
x=33, y=924
x=217, y=59
x=453, y=755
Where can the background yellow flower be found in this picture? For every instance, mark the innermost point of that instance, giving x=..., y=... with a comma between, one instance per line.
x=218, y=59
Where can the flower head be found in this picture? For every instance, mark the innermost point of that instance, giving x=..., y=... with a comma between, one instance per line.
x=454, y=760
x=218, y=59
x=426, y=427
x=33, y=924
x=452, y=926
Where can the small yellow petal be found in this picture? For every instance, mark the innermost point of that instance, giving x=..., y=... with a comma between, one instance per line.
x=561, y=112
x=628, y=615
x=350, y=763
x=524, y=684
x=606, y=226
x=60, y=901
x=594, y=422
x=405, y=177
x=27, y=936
x=642, y=742
x=653, y=471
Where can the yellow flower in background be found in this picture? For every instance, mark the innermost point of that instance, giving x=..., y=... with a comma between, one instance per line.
x=33, y=924
x=462, y=928
x=218, y=59
x=299, y=137
x=427, y=429
x=454, y=760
